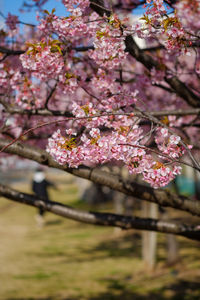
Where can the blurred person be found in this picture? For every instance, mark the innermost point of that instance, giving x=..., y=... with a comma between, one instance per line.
x=40, y=188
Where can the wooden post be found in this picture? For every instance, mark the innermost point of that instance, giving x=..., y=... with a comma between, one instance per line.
x=149, y=238
x=119, y=208
x=172, y=244
x=172, y=249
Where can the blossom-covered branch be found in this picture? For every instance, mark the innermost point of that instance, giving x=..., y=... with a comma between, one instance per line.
x=113, y=181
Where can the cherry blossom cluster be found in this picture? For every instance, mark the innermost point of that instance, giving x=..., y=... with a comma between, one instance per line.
x=157, y=23
x=92, y=147
x=76, y=7
x=44, y=59
x=28, y=95
x=120, y=142
x=109, y=45
x=69, y=28
x=160, y=175
x=97, y=148
x=8, y=77
x=169, y=144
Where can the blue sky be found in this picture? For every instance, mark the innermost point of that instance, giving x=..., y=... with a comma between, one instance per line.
x=13, y=7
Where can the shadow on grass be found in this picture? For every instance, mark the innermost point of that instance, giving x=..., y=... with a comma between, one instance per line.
x=123, y=246
x=181, y=290
x=188, y=250
x=118, y=290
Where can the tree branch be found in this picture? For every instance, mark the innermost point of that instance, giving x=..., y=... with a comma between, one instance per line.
x=105, y=219
x=11, y=52
x=178, y=86
x=36, y=112
x=195, y=44
x=48, y=112
x=115, y=182
x=83, y=48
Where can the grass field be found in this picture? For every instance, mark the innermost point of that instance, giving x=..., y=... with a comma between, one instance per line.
x=66, y=260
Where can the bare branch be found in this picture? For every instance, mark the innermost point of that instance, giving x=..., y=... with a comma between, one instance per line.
x=195, y=44
x=83, y=48
x=178, y=86
x=104, y=219
x=10, y=51
x=50, y=95
x=48, y=112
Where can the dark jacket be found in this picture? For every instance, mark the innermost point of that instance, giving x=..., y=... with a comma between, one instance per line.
x=40, y=188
